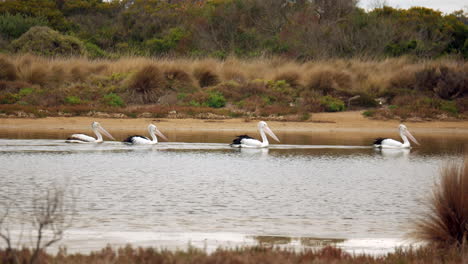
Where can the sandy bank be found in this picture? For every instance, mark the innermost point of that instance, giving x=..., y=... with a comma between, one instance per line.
x=320, y=122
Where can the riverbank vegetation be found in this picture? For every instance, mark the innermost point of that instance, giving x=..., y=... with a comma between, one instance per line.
x=270, y=88
x=230, y=58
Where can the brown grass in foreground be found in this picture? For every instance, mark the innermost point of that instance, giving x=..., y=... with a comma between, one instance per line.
x=446, y=222
x=250, y=255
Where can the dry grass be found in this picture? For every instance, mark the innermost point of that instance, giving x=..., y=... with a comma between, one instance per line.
x=206, y=75
x=7, y=70
x=141, y=80
x=446, y=222
x=250, y=255
x=147, y=85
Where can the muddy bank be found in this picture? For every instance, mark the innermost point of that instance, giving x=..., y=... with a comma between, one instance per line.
x=320, y=122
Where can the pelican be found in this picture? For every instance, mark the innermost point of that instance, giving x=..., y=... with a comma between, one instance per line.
x=244, y=141
x=390, y=143
x=152, y=129
x=82, y=138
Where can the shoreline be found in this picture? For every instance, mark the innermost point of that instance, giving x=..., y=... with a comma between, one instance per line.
x=351, y=121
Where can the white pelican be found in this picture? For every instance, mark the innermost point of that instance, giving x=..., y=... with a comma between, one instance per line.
x=152, y=129
x=390, y=143
x=82, y=138
x=244, y=141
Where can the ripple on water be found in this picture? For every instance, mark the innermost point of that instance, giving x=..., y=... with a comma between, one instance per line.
x=292, y=192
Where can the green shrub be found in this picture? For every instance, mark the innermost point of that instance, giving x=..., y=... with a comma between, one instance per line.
x=368, y=113
x=113, y=99
x=194, y=103
x=398, y=49
x=449, y=106
x=13, y=26
x=9, y=98
x=181, y=96
x=93, y=51
x=45, y=41
x=73, y=100
x=167, y=43
x=216, y=100
x=305, y=117
x=25, y=91
x=332, y=104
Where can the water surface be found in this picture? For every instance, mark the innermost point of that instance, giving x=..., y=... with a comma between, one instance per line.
x=312, y=189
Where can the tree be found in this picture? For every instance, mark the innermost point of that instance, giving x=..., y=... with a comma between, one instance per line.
x=50, y=213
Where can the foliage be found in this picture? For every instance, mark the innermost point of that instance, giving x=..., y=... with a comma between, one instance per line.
x=93, y=51
x=45, y=41
x=13, y=26
x=332, y=104
x=159, y=46
x=302, y=30
x=113, y=99
x=72, y=100
x=216, y=100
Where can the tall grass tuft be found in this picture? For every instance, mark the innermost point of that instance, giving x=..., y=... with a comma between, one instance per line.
x=147, y=85
x=7, y=70
x=205, y=76
x=327, y=81
x=445, y=224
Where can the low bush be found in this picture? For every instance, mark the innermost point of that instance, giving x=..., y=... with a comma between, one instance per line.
x=72, y=100
x=13, y=26
x=113, y=100
x=216, y=100
x=446, y=82
x=332, y=104
x=45, y=41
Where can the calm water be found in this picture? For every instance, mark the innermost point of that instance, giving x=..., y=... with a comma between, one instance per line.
x=310, y=190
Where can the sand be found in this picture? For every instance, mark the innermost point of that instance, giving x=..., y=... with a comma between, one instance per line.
x=352, y=121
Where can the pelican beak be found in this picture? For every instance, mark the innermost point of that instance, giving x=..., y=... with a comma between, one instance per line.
x=106, y=133
x=411, y=137
x=271, y=134
x=157, y=132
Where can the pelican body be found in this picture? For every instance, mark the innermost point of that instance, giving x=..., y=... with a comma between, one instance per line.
x=82, y=138
x=245, y=141
x=142, y=140
x=389, y=143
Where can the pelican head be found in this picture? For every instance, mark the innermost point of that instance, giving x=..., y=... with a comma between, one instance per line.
x=98, y=128
x=263, y=126
x=152, y=129
x=405, y=132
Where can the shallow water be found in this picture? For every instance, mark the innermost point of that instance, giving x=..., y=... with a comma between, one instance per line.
x=313, y=189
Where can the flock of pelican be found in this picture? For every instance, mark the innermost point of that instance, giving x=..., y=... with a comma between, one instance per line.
x=242, y=141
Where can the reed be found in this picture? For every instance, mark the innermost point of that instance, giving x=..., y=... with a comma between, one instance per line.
x=445, y=223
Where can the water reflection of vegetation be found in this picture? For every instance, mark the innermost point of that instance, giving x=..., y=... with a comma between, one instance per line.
x=304, y=241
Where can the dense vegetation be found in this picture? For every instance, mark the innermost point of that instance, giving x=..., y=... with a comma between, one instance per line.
x=275, y=89
x=299, y=29
x=267, y=58
x=248, y=255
